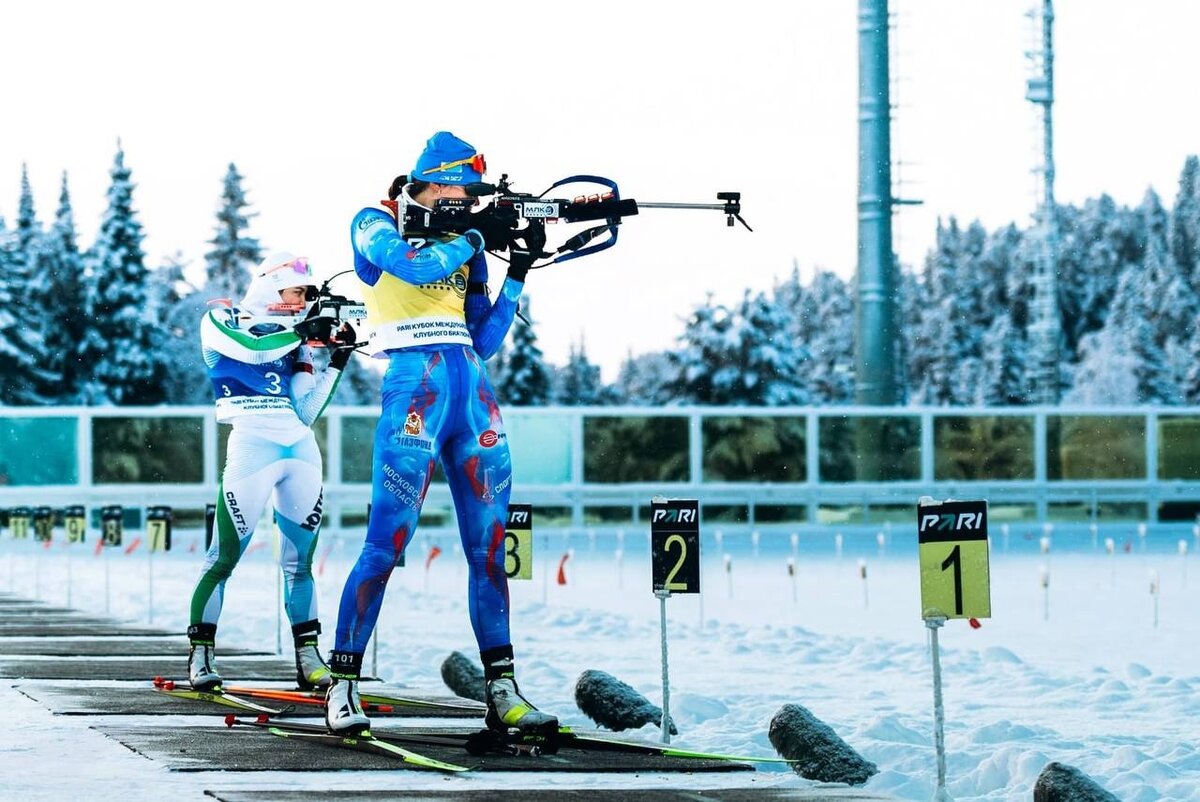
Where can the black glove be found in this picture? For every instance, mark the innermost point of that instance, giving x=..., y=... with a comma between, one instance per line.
x=343, y=347
x=319, y=329
x=519, y=266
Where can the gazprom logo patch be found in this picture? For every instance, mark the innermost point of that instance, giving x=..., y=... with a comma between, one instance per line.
x=539, y=210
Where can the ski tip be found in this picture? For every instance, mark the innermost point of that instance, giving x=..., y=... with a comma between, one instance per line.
x=230, y=719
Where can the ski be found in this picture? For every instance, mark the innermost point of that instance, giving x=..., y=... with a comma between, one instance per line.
x=514, y=742
x=382, y=701
x=366, y=742
x=215, y=696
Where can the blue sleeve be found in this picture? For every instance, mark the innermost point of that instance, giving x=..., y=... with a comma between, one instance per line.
x=489, y=323
x=379, y=249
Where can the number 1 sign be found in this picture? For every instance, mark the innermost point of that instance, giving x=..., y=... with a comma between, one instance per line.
x=953, y=545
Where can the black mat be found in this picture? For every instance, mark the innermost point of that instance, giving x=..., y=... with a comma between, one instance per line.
x=16, y=608
x=252, y=749
x=820, y=794
x=234, y=669
x=49, y=618
x=109, y=647
x=103, y=629
x=131, y=700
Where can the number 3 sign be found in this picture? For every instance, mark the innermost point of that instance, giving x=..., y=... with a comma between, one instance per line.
x=953, y=545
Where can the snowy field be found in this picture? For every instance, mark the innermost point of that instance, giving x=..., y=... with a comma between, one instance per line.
x=1080, y=663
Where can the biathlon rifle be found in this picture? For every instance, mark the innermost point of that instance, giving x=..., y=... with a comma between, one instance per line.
x=516, y=221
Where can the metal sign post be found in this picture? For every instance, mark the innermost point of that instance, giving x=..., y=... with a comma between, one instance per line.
x=674, y=568
x=952, y=543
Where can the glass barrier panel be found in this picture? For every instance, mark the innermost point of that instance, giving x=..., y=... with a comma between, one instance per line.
x=972, y=448
x=842, y=514
x=753, y=449
x=608, y=514
x=725, y=513
x=635, y=449
x=540, y=446
x=1095, y=447
x=147, y=450
x=869, y=448
x=1179, y=447
x=780, y=513
x=358, y=445
x=38, y=451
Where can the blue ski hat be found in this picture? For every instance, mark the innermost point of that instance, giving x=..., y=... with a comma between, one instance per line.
x=448, y=160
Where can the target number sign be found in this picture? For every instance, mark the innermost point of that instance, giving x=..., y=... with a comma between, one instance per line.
x=518, y=542
x=675, y=546
x=952, y=542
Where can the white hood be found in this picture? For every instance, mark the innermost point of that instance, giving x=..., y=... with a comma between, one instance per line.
x=278, y=271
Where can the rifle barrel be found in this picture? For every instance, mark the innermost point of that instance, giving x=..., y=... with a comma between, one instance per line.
x=719, y=206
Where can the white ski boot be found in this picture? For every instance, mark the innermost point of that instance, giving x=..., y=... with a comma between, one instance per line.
x=343, y=709
x=201, y=673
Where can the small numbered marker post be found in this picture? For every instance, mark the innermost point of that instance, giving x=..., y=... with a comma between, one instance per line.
x=75, y=522
x=158, y=528
x=43, y=524
x=111, y=524
x=19, y=520
x=952, y=544
x=674, y=568
x=518, y=542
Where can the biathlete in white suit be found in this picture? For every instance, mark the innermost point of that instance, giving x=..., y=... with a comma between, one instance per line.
x=267, y=389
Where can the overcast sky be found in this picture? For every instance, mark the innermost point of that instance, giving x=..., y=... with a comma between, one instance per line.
x=320, y=107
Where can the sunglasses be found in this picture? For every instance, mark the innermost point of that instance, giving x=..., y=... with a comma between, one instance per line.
x=300, y=266
x=477, y=163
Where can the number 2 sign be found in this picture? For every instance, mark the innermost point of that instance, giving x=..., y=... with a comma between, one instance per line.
x=675, y=546
x=953, y=545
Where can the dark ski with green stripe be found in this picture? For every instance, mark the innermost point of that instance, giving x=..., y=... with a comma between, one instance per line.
x=364, y=742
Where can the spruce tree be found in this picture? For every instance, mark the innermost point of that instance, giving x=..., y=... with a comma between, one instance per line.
x=120, y=345
x=704, y=366
x=773, y=367
x=830, y=368
x=61, y=290
x=22, y=336
x=233, y=254
x=643, y=381
x=522, y=378
x=579, y=381
x=1184, y=232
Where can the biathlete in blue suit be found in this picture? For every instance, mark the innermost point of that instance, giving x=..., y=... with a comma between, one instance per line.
x=432, y=319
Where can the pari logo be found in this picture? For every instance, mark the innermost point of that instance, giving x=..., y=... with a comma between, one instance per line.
x=949, y=522
x=674, y=516
x=518, y=517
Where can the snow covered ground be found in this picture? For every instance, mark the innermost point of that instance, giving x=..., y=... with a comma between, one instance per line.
x=1092, y=669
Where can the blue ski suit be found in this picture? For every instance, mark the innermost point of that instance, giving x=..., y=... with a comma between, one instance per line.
x=432, y=319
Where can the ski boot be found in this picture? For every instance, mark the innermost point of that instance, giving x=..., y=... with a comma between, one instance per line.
x=343, y=708
x=311, y=672
x=202, y=674
x=507, y=709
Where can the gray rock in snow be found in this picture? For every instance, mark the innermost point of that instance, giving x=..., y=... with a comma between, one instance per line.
x=819, y=753
x=1059, y=782
x=464, y=676
x=611, y=703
